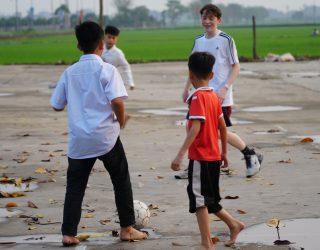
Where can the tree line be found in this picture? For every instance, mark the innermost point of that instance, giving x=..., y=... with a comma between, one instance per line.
x=175, y=14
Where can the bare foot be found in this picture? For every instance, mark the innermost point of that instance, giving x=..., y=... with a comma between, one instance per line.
x=131, y=234
x=68, y=241
x=234, y=232
x=202, y=247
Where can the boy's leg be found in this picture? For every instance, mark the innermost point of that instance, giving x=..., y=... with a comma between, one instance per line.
x=116, y=164
x=204, y=227
x=253, y=160
x=77, y=179
x=235, y=226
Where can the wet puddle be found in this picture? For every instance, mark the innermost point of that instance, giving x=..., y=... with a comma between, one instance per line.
x=104, y=239
x=271, y=109
x=234, y=121
x=6, y=94
x=302, y=233
x=305, y=74
x=248, y=73
x=23, y=187
x=169, y=111
x=315, y=138
x=7, y=213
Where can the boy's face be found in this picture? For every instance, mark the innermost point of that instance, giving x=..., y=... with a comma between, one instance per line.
x=210, y=22
x=111, y=40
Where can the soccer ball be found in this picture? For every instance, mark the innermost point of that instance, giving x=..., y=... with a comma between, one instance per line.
x=142, y=214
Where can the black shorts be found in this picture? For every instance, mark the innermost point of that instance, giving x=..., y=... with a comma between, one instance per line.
x=227, y=115
x=203, y=185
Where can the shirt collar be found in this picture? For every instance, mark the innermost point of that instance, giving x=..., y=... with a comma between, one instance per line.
x=90, y=57
x=198, y=89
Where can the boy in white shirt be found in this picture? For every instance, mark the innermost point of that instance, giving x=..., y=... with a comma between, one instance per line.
x=94, y=93
x=115, y=56
x=226, y=70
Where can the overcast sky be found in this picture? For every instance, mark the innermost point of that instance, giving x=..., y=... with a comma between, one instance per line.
x=8, y=6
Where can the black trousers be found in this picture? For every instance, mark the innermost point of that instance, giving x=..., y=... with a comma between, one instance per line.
x=78, y=173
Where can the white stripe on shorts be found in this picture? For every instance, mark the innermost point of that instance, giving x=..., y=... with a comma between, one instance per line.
x=196, y=184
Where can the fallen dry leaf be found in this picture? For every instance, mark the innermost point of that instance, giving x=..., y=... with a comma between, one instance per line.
x=215, y=240
x=39, y=216
x=160, y=177
x=230, y=197
x=31, y=204
x=273, y=130
x=32, y=228
x=239, y=211
x=18, y=182
x=11, y=204
x=153, y=206
x=285, y=161
x=268, y=184
x=89, y=216
x=12, y=195
x=104, y=222
x=40, y=170
x=307, y=139
x=176, y=243
x=83, y=237
x=274, y=222
x=20, y=160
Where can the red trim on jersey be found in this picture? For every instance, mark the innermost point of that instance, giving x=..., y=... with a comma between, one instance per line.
x=204, y=105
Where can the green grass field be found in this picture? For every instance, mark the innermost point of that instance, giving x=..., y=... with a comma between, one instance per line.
x=162, y=45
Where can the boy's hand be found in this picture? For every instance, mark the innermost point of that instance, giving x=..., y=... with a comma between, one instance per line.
x=222, y=93
x=225, y=161
x=126, y=118
x=176, y=163
x=185, y=95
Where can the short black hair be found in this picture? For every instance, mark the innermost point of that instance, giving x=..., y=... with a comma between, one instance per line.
x=112, y=30
x=89, y=34
x=211, y=9
x=201, y=64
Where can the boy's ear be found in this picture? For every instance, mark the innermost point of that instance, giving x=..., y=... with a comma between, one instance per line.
x=191, y=76
x=101, y=44
x=211, y=76
x=79, y=47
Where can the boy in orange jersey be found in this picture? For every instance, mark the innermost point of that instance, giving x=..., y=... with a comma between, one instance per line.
x=205, y=120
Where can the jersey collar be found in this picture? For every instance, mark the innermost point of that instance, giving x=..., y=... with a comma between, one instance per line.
x=198, y=89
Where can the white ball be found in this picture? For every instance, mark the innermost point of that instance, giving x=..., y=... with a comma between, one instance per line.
x=142, y=214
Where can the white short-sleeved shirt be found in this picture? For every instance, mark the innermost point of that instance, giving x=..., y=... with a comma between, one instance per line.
x=223, y=48
x=116, y=57
x=88, y=87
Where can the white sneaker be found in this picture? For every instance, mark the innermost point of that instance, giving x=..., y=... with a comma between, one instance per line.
x=253, y=165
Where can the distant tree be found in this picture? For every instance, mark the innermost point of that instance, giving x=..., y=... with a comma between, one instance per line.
x=141, y=16
x=297, y=16
x=122, y=6
x=232, y=13
x=174, y=10
x=62, y=8
x=260, y=13
x=194, y=8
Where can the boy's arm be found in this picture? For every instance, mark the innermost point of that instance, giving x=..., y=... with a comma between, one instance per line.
x=232, y=77
x=191, y=135
x=223, y=138
x=186, y=90
x=126, y=69
x=117, y=105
